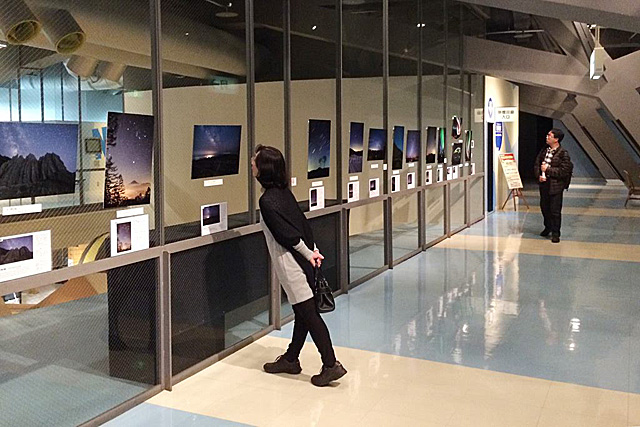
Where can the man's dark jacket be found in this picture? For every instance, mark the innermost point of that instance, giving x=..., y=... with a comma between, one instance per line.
x=559, y=172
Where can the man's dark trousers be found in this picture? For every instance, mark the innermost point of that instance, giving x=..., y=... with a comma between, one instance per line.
x=551, y=207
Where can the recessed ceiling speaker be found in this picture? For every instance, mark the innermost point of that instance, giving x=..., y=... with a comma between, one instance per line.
x=62, y=30
x=17, y=22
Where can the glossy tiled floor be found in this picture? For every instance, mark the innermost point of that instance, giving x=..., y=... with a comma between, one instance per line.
x=495, y=326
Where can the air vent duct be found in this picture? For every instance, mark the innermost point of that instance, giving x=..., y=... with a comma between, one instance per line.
x=62, y=30
x=17, y=22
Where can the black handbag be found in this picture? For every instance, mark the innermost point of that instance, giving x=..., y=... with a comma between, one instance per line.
x=322, y=293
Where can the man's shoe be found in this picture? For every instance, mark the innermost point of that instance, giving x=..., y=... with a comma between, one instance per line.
x=327, y=375
x=545, y=232
x=282, y=366
x=555, y=239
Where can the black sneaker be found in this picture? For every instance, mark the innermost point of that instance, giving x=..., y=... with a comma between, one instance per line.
x=282, y=366
x=555, y=239
x=327, y=375
x=545, y=232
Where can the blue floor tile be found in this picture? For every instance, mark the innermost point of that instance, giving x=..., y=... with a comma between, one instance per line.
x=147, y=414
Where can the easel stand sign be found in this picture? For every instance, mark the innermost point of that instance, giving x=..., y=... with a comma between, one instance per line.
x=510, y=169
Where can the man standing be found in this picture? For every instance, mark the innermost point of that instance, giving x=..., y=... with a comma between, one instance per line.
x=553, y=170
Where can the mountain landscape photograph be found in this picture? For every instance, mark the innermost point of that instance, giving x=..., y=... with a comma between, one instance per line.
x=398, y=147
x=128, y=170
x=318, y=161
x=413, y=146
x=216, y=150
x=432, y=142
x=16, y=249
x=37, y=159
x=377, y=145
x=356, y=147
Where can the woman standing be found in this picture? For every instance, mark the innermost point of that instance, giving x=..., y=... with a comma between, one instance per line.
x=289, y=239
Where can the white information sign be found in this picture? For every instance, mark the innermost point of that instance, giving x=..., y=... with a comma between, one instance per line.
x=353, y=191
x=440, y=176
x=316, y=198
x=22, y=209
x=24, y=255
x=478, y=115
x=213, y=218
x=510, y=169
x=449, y=173
x=129, y=234
x=506, y=114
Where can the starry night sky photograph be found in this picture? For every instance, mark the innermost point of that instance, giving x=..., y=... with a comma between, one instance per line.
x=124, y=237
x=413, y=146
x=16, y=249
x=432, y=140
x=211, y=215
x=37, y=159
x=398, y=147
x=356, y=147
x=130, y=149
x=216, y=150
x=318, y=163
x=377, y=144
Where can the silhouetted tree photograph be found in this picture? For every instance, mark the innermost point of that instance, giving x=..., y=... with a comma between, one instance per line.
x=128, y=168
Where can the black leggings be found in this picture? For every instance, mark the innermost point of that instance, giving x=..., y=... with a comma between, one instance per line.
x=308, y=320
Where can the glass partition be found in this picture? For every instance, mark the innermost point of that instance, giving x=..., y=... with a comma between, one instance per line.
x=205, y=113
x=226, y=301
x=55, y=102
x=405, y=225
x=476, y=197
x=366, y=240
x=435, y=213
x=457, y=205
x=362, y=100
x=77, y=348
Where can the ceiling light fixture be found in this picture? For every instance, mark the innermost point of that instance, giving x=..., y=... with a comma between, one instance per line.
x=226, y=13
x=315, y=27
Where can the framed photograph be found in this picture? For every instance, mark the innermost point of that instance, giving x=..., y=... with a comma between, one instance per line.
x=353, y=191
x=37, y=159
x=129, y=234
x=23, y=255
x=398, y=147
x=442, y=136
x=456, y=153
x=395, y=183
x=411, y=180
x=356, y=147
x=468, y=145
x=428, y=178
x=432, y=144
x=213, y=218
x=456, y=127
x=319, y=158
x=128, y=170
x=316, y=198
x=440, y=176
x=216, y=150
x=374, y=187
x=377, y=149
x=413, y=146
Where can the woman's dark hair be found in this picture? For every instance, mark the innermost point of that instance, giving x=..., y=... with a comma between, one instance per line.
x=557, y=133
x=272, y=172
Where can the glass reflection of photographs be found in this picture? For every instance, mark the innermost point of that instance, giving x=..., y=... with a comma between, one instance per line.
x=432, y=141
x=16, y=249
x=318, y=163
x=211, y=215
x=124, y=237
x=377, y=145
x=398, y=147
x=37, y=159
x=442, y=136
x=356, y=147
x=128, y=173
x=314, y=197
x=216, y=150
x=413, y=146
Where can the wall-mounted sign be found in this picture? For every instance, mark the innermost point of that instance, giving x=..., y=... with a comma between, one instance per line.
x=478, y=115
x=491, y=114
x=498, y=132
x=506, y=114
